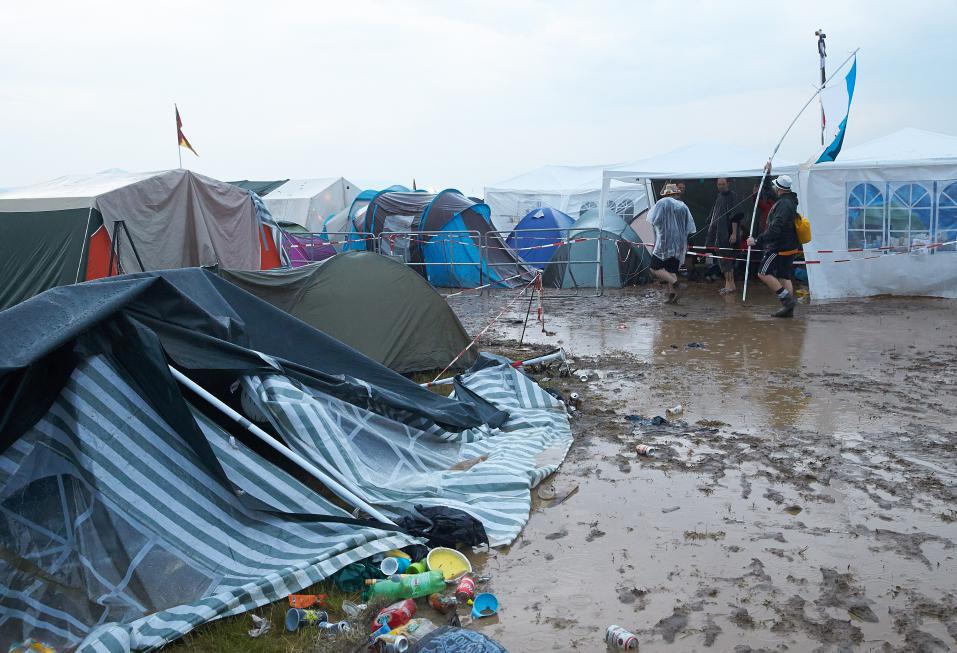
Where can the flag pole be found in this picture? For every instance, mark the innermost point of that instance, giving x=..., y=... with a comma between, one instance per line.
x=767, y=166
x=179, y=150
x=822, y=53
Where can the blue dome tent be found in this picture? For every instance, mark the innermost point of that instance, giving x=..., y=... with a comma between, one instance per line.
x=540, y=228
x=443, y=253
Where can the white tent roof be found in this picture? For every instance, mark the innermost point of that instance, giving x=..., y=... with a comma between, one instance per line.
x=555, y=179
x=68, y=192
x=307, y=202
x=303, y=188
x=702, y=161
x=908, y=146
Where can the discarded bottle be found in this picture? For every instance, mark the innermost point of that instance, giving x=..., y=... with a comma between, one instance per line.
x=465, y=590
x=394, y=615
x=645, y=450
x=620, y=639
x=408, y=587
x=442, y=604
x=351, y=609
x=674, y=411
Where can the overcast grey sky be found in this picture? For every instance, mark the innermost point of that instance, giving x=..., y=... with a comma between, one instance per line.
x=456, y=94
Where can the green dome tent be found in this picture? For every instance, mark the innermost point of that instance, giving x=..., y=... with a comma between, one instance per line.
x=378, y=306
x=625, y=261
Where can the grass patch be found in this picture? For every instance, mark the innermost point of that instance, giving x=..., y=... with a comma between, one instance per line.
x=231, y=633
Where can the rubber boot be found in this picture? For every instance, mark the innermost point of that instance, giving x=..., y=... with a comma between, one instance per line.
x=787, y=308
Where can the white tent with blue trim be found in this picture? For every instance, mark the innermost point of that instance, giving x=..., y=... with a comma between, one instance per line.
x=884, y=218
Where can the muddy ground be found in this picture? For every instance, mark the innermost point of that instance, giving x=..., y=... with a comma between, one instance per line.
x=803, y=501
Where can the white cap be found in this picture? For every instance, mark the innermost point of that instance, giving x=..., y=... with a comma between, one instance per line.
x=783, y=182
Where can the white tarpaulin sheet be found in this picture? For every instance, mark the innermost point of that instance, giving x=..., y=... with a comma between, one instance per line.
x=706, y=160
x=889, y=196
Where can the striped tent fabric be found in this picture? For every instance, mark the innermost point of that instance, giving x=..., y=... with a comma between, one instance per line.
x=117, y=538
x=394, y=465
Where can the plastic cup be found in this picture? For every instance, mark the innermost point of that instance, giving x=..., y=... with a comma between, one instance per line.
x=392, y=566
x=297, y=617
x=417, y=568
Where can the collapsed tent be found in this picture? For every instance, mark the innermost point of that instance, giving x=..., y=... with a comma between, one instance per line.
x=72, y=229
x=573, y=190
x=131, y=511
x=625, y=261
x=443, y=235
x=376, y=305
x=535, y=237
x=308, y=202
x=885, y=215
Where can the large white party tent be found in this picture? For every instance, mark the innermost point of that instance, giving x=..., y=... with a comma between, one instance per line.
x=308, y=202
x=573, y=190
x=890, y=197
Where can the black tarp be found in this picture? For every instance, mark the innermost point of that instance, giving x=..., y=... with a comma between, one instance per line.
x=202, y=323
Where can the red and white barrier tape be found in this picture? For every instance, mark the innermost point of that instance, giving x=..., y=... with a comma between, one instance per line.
x=487, y=327
x=487, y=285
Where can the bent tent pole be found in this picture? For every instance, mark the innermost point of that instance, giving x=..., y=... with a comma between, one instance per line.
x=767, y=173
x=304, y=464
x=547, y=358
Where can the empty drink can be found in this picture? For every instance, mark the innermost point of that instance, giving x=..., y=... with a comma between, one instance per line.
x=645, y=450
x=392, y=643
x=465, y=590
x=620, y=639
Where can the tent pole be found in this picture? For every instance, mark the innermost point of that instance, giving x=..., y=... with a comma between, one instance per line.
x=602, y=201
x=754, y=213
x=288, y=453
x=86, y=245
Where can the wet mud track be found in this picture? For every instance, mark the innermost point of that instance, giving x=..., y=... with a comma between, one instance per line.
x=804, y=500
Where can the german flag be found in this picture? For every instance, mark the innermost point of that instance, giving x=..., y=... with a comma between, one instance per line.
x=180, y=137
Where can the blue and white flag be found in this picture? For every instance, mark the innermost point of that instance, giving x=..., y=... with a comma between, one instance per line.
x=837, y=106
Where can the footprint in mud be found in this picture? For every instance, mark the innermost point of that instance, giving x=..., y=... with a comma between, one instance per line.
x=594, y=534
x=774, y=496
x=633, y=596
x=671, y=626
x=741, y=618
x=557, y=535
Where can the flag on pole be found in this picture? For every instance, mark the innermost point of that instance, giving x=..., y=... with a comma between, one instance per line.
x=836, y=100
x=180, y=137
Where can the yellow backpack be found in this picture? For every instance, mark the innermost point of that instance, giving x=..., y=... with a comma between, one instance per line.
x=802, y=226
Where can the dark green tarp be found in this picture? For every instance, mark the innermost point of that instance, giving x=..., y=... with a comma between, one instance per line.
x=261, y=188
x=378, y=306
x=43, y=249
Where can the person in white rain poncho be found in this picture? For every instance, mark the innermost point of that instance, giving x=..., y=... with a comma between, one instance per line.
x=673, y=223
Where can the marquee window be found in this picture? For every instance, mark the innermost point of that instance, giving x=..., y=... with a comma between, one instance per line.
x=865, y=217
x=909, y=215
x=947, y=215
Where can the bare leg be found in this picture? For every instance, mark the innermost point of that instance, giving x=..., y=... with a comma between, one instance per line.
x=770, y=282
x=670, y=279
x=729, y=281
x=790, y=286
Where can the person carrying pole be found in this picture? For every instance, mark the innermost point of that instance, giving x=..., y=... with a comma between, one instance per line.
x=780, y=243
x=672, y=222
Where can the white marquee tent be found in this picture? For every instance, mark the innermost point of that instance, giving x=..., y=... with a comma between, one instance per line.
x=308, y=202
x=890, y=197
x=570, y=189
x=707, y=160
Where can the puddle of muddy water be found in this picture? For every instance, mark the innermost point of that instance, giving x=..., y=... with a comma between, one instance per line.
x=817, y=515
